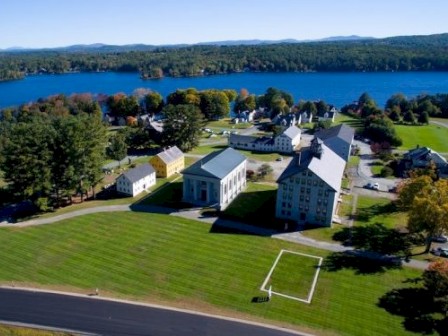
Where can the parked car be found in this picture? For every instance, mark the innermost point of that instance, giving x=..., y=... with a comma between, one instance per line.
x=393, y=189
x=440, y=251
x=372, y=185
x=440, y=239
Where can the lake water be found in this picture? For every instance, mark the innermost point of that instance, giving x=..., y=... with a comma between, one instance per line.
x=335, y=88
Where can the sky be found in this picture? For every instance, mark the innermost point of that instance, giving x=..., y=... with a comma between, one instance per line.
x=56, y=23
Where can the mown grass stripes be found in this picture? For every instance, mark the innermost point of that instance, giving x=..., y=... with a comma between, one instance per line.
x=175, y=260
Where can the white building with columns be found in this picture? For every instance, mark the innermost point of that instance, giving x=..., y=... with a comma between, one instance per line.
x=215, y=180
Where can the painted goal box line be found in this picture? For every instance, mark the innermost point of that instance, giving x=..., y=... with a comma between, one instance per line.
x=313, y=285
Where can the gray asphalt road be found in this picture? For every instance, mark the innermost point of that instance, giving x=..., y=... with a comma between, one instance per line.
x=101, y=317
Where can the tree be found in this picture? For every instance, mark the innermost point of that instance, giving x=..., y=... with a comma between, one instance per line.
x=214, y=104
x=153, y=102
x=264, y=170
x=118, y=148
x=423, y=118
x=122, y=105
x=27, y=158
x=182, y=127
x=409, y=188
x=395, y=113
x=409, y=117
x=429, y=210
x=435, y=279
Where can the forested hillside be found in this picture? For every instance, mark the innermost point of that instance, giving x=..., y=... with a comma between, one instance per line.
x=409, y=53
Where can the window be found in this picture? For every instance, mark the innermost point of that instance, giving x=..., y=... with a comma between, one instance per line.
x=303, y=181
x=309, y=182
x=310, y=173
x=285, y=186
x=321, y=183
x=325, y=202
x=320, y=192
x=326, y=193
x=315, y=183
x=308, y=190
x=302, y=189
x=307, y=198
x=301, y=197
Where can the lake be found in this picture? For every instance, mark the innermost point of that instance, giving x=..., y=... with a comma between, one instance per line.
x=335, y=88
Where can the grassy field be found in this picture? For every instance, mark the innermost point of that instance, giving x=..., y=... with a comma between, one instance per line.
x=167, y=259
x=227, y=124
x=433, y=136
x=293, y=275
x=376, y=167
x=372, y=210
x=6, y=330
x=350, y=121
x=259, y=156
x=353, y=162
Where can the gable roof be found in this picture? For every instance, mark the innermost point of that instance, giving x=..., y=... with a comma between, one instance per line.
x=217, y=164
x=329, y=167
x=171, y=154
x=426, y=154
x=248, y=139
x=342, y=131
x=292, y=132
x=139, y=172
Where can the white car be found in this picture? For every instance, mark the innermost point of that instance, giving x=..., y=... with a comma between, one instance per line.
x=372, y=185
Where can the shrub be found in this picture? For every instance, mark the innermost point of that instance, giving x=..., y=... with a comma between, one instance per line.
x=386, y=171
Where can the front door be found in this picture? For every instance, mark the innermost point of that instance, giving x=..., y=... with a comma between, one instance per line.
x=203, y=195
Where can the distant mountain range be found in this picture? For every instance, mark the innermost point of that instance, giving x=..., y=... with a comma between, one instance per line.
x=439, y=40
x=142, y=47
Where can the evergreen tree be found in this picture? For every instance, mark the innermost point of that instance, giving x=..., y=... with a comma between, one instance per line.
x=182, y=127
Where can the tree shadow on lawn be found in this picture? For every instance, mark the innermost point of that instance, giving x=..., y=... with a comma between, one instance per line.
x=364, y=213
x=420, y=311
x=360, y=261
x=375, y=238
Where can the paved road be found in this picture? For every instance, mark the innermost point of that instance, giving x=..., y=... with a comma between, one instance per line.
x=94, y=315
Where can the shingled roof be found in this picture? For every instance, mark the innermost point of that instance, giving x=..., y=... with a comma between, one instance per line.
x=139, y=172
x=341, y=131
x=171, y=154
x=329, y=166
x=217, y=164
x=292, y=132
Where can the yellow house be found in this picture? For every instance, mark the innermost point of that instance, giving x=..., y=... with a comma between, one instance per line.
x=168, y=162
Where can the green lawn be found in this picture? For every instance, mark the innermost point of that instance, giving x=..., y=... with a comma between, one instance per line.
x=227, y=124
x=259, y=156
x=353, y=161
x=376, y=167
x=350, y=121
x=433, y=136
x=346, y=207
x=6, y=330
x=372, y=210
x=293, y=275
x=171, y=260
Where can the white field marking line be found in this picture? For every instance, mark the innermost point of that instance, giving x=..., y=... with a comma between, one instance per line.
x=313, y=286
